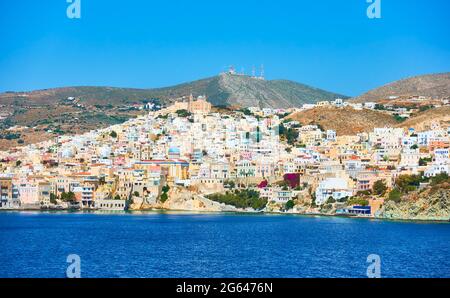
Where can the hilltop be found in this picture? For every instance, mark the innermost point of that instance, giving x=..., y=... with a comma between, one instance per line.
x=434, y=86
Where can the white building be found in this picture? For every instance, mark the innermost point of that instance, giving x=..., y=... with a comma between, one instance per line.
x=332, y=187
x=409, y=158
x=331, y=135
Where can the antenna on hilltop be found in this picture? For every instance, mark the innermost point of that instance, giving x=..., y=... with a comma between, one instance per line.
x=253, y=71
x=262, y=71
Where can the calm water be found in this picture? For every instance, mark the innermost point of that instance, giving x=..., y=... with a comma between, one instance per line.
x=218, y=245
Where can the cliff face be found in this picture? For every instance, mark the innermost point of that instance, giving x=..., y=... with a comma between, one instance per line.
x=431, y=204
x=185, y=200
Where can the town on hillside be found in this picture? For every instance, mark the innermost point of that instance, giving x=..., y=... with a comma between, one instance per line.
x=192, y=156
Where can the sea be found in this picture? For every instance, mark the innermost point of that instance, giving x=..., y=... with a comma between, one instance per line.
x=218, y=245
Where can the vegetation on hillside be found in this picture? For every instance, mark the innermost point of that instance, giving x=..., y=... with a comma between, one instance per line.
x=243, y=199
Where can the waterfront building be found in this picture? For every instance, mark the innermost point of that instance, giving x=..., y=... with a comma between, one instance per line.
x=6, y=188
x=337, y=188
x=110, y=205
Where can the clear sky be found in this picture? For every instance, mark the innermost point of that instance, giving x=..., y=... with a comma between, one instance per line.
x=330, y=44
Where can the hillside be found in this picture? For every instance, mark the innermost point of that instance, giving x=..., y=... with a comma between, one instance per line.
x=222, y=90
x=246, y=91
x=43, y=114
x=345, y=121
x=429, y=203
x=423, y=120
x=435, y=86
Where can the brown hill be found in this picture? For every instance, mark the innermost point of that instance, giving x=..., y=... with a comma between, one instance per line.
x=221, y=90
x=345, y=121
x=423, y=120
x=435, y=86
x=73, y=110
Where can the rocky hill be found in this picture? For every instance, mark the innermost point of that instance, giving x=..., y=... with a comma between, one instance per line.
x=435, y=86
x=430, y=204
x=43, y=114
x=424, y=120
x=222, y=90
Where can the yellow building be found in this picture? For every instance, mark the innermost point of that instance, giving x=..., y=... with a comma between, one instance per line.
x=199, y=106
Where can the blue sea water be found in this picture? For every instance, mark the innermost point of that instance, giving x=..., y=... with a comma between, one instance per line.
x=36, y=244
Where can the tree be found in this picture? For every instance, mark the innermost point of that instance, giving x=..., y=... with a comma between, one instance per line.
x=113, y=134
x=395, y=195
x=68, y=197
x=407, y=183
x=379, y=107
x=164, y=195
x=229, y=183
x=289, y=134
x=364, y=192
x=399, y=118
x=18, y=163
x=289, y=205
x=441, y=178
x=331, y=200
x=424, y=161
x=246, y=198
x=357, y=201
x=53, y=199
x=379, y=188
x=247, y=112
x=183, y=113
x=136, y=194
x=117, y=197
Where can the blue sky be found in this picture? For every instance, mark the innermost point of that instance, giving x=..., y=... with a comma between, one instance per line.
x=328, y=44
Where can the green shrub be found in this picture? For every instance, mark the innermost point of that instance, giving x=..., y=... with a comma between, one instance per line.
x=164, y=197
x=289, y=205
x=331, y=200
x=379, y=188
x=395, y=195
x=407, y=183
x=357, y=201
x=241, y=199
x=183, y=113
x=441, y=178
